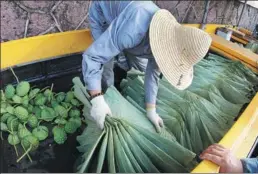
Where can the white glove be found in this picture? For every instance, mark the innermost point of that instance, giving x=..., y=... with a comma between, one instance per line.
x=155, y=119
x=99, y=110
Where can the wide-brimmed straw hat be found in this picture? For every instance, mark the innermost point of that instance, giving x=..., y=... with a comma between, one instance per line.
x=176, y=48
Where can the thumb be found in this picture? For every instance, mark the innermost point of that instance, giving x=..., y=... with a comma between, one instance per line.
x=109, y=113
x=161, y=123
x=101, y=125
x=158, y=129
x=101, y=122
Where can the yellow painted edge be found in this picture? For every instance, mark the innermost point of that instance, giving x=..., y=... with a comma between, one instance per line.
x=41, y=47
x=248, y=32
x=227, y=55
x=243, y=57
x=23, y=51
x=240, y=138
x=239, y=40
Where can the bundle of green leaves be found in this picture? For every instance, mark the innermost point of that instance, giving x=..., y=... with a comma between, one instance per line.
x=129, y=141
x=203, y=113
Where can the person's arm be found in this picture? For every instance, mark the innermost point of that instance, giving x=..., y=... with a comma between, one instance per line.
x=250, y=165
x=151, y=84
x=97, y=24
x=133, y=32
x=97, y=27
x=100, y=52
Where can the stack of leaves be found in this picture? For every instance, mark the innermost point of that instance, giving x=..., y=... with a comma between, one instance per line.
x=129, y=142
x=28, y=113
x=201, y=114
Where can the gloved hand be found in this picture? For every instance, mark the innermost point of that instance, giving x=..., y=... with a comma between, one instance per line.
x=155, y=119
x=99, y=110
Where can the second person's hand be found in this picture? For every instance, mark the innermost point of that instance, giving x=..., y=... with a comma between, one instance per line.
x=224, y=158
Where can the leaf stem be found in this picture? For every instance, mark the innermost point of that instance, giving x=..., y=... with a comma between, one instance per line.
x=1, y=135
x=28, y=155
x=14, y=75
x=2, y=96
x=39, y=122
x=52, y=85
x=16, y=151
x=9, y=131
x=38, y=92
x=24, y=124
x=26, y=152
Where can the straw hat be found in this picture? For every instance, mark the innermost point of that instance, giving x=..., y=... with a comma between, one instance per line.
x=176, y=48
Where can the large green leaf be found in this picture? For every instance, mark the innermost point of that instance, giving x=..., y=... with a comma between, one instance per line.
x=102, y=151
x=122, y=161
x=128, y=152
x=175, y=150
x=111, y=153
x=140, y=156
x=88, y=141
x=160, y=158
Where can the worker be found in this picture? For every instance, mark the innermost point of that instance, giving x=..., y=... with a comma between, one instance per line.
x=228, y=162
x=151, y=40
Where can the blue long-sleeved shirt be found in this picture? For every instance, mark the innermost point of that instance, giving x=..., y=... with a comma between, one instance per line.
x=250, y=165
x=120, y=26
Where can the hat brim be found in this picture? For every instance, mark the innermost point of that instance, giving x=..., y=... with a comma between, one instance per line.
x=170, y=56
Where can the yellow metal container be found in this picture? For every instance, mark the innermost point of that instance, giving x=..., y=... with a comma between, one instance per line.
x=247, y=32
x=240, y=138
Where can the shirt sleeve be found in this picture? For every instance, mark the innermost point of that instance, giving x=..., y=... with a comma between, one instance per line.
x=151, y=82
x=97, y=23
x=103, y=49
x=250, y=165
